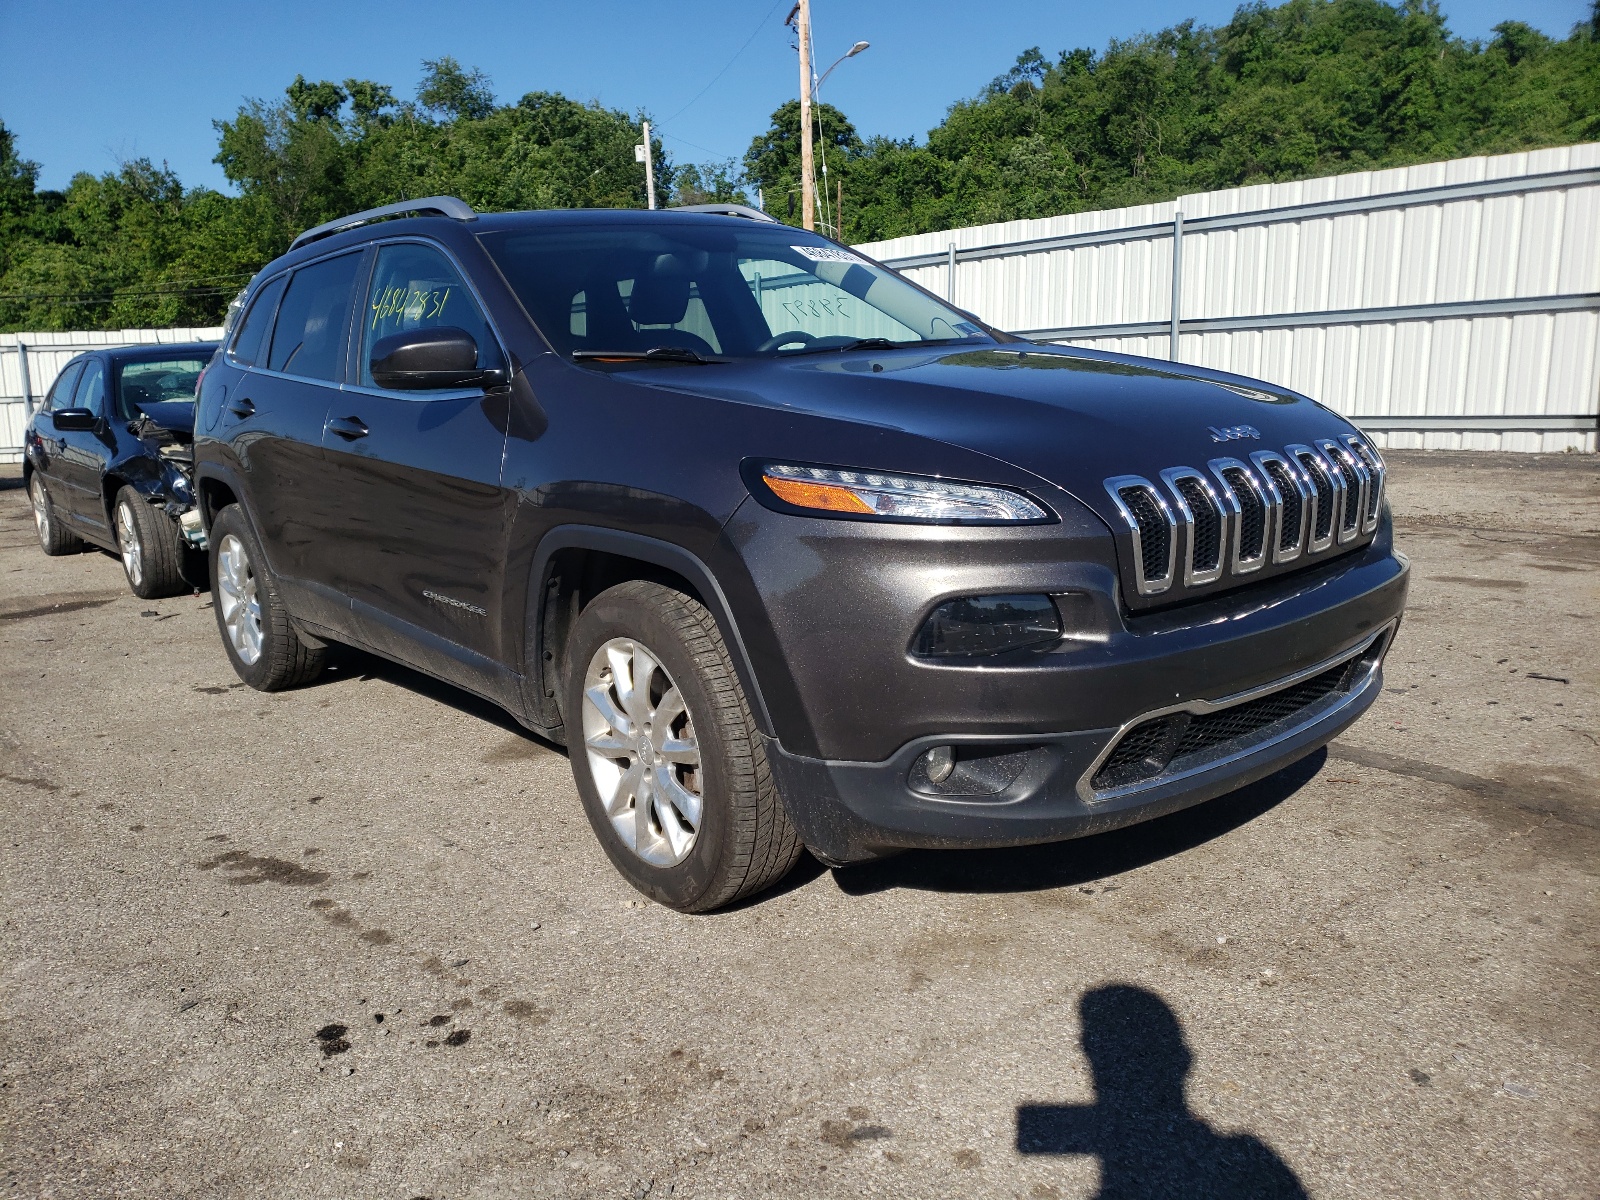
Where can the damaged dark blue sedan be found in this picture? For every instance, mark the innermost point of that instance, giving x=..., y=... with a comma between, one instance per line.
x=108, y=460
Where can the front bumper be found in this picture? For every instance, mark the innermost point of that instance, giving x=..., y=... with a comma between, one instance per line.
x=1343, y=625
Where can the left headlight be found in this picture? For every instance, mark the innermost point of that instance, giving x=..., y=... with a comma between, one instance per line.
x=836, y=491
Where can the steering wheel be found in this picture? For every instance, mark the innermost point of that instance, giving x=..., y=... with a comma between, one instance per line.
x=783, y=339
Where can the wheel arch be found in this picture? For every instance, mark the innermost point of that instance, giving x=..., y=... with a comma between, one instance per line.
x=214, y=490
x=572, y=565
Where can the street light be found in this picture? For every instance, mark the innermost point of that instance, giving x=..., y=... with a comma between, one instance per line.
x=816, y=98
x=850, y=53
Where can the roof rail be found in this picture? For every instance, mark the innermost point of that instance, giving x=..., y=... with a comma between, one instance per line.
x=728, y=210
x=443, y=206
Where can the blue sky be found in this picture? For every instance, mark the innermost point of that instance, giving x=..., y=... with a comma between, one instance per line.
x=87, y=83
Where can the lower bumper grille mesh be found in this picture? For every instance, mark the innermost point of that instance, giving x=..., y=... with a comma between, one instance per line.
x=1180, y=741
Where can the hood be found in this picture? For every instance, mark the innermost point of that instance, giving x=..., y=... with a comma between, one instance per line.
x=1071, y=417
x=170, y=416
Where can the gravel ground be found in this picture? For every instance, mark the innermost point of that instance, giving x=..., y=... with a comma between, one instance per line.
x=357, y=940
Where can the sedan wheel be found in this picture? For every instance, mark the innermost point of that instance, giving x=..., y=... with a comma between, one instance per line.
x=237, y=599
x=642, y=752
x=53, y=538
x=128, y=539
x=41, y=509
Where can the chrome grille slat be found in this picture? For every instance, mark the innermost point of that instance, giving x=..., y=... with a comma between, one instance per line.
x=1327, y=499
x=1376, y=470
x=1290, y=491
x=1154, y=528
x=1196, y=526
x=1203, y=523
x=1354, y=473
x=1251, y=510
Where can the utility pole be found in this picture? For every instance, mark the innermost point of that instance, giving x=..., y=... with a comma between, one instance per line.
x=646, y=155
x=808, y=190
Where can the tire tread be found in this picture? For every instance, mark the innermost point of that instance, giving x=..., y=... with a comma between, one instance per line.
x=764, y=844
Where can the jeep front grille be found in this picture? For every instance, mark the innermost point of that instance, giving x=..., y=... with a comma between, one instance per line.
x=1198, y=526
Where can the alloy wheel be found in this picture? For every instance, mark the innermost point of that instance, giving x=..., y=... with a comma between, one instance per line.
x=236, y=593
x=128, y=539
x=41, y=509
x=642, y=752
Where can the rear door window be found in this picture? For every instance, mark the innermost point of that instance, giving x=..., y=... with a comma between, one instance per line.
x=416, y=287
x=308, y=338
x=252, y=337
x=60, y=393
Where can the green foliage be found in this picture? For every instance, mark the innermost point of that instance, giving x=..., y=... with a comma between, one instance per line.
x=1305, y=88
x=133, y=248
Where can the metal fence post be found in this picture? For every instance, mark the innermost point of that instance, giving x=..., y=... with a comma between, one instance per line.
x=1177, y=284
x=27, y=382
x=950, y=274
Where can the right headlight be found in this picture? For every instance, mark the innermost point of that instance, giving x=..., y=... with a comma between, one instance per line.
x=839, y=492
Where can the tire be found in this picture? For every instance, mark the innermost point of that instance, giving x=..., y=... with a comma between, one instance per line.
x=740, y=841
x=262, y=644
x=148, y=540
x=54, y=538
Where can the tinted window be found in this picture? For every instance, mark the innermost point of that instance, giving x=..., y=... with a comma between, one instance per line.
x=416, y=287
x=309, y=333
x=91, y=391
x=247, y=346
x=741, y=288
x=155, y=382
x=60, y=393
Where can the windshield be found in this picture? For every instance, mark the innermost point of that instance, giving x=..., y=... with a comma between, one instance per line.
x=712, y=289
x=152, y=382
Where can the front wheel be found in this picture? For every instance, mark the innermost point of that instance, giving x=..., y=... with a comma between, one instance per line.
x=266, y=650
x=666, y=755
x=148, y=539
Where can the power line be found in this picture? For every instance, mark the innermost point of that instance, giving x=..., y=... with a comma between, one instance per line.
x=193, y=287
x=721, y=73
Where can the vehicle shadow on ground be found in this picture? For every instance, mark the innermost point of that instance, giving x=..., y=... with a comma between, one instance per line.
x=1083, y=860
x=1139, y=1127
x=347, y=665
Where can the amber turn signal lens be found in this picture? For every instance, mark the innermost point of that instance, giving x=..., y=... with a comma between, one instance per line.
x=816, y=495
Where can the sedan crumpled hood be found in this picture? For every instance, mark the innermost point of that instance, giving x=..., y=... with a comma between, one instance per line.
x=1072, y=417
x=174, y=416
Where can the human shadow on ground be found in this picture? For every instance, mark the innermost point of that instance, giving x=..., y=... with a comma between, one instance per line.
x=1067, y=864
x=1139, y=1127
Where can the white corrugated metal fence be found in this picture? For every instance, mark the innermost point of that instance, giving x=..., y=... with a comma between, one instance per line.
x=1450, y=305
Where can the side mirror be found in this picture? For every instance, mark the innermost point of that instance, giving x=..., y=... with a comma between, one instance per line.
x=69, y=420
x=429, y=358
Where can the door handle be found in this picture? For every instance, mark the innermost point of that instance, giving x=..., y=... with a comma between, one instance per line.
x=349, y=428
x=242, y=407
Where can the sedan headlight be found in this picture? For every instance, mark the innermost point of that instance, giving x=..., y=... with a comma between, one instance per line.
x=839, y=492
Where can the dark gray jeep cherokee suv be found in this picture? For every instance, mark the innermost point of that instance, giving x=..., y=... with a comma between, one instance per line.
x=786, y=550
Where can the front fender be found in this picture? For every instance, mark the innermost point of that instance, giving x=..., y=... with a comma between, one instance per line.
x=539, y=679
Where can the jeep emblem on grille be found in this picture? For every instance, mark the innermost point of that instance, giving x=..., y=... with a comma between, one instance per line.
x=1233, y=433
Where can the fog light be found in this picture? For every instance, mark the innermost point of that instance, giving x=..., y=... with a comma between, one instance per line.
x=938, y=763
x=988, y=625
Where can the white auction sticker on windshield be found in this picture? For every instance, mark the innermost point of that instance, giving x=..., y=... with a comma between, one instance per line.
x=827, y=254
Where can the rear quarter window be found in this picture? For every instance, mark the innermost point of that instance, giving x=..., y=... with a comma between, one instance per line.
x=253, y=329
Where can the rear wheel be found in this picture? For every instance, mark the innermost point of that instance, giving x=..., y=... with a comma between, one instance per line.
x=262, y=643
x=666, y=755
x=53, y=537
x=148, y=540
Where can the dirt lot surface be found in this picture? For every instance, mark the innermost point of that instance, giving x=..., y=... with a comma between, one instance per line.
x=357, y=940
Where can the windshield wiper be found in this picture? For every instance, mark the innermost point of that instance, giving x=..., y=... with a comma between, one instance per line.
x=679, y=354
x=873, y=343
